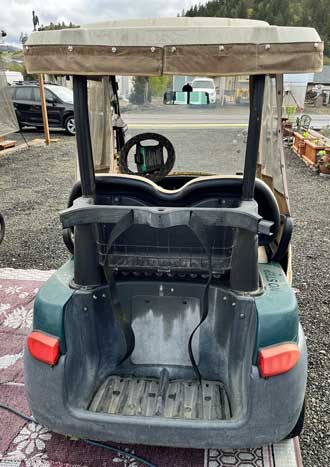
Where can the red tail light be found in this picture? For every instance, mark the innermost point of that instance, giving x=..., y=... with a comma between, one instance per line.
x=44, y=347
x=278, y=359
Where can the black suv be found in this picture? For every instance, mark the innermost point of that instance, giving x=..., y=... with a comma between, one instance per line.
x=26, y=100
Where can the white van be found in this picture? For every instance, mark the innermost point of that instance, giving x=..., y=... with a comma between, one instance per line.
x=205, y=85
x=13, y=76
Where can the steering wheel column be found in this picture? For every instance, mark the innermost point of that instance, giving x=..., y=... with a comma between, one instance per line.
x=149, y=159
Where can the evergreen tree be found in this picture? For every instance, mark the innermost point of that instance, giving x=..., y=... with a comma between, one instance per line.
x=23, y=37
x=141, y=93
x=279, y=12
x=51, y=26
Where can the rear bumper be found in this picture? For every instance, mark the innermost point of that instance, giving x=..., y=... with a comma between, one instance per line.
x=274, y=406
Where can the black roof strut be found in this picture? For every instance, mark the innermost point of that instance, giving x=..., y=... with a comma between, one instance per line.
x=83, y=137
x=252, y=148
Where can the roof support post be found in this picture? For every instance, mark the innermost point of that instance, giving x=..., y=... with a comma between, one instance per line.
x=244, y=268
x=87, y=271
x=257, y=86
x=83, y=137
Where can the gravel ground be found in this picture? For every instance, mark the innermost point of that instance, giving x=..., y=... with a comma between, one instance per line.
x=311, y=264
x=36, y=182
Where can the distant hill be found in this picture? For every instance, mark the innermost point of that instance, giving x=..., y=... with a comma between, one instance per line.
x=9, y=48
x=279, y=12
x=12, y=59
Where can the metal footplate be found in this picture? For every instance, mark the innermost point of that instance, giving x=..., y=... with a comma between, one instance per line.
x=150, y=397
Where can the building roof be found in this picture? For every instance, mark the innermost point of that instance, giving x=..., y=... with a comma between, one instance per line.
x=322, y=77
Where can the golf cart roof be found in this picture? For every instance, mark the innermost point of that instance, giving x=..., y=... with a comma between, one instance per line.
x=186, y=46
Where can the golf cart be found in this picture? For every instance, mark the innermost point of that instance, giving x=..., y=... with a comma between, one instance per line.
x=174, y=323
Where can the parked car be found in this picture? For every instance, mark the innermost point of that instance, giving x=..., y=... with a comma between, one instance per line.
x=27, y=103
x=13, y=77
x=205, y=85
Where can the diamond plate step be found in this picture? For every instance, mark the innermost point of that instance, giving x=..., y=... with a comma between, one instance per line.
x=150, y=397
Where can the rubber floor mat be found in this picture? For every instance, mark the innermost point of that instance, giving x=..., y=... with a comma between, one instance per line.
x=185, y=399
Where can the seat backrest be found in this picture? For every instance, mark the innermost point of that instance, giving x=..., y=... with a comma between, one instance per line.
x=200, y=229
x=198, y=192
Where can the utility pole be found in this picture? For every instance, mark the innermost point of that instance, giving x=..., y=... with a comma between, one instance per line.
x=44, y=109
x=35, y=21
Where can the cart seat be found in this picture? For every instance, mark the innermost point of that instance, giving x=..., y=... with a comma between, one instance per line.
x=179, y=248
x=207, y=191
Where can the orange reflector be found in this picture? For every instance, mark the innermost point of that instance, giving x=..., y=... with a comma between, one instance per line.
x=44, y=347
x=278, y=359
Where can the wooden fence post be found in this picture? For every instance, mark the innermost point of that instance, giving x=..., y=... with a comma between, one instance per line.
x=44, y=109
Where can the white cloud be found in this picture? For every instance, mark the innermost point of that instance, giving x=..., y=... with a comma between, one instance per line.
x=16, y=15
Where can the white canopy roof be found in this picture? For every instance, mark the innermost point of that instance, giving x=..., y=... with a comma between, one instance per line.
x=175, y=45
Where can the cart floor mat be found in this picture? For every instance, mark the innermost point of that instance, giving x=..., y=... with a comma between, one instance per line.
x=150, y=397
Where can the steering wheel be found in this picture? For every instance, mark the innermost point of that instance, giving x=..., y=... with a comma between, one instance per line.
x=149, y=159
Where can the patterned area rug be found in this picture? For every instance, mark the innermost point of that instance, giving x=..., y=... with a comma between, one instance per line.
x=25, y=444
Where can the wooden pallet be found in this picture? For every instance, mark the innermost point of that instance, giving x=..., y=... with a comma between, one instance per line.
x=6, y=144
x=307, y=148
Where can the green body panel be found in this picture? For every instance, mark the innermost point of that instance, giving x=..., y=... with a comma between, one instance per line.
x=48, y=315
x=277, y=308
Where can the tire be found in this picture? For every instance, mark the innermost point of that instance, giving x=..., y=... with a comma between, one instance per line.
x=18, y=117
x=70, y=126
x=2, y=227
x=296, y=431
x=68, y=240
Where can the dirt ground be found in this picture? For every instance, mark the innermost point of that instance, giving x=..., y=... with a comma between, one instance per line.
x=312, y=109
x=35, y=184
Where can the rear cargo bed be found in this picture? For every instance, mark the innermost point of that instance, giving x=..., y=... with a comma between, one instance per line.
x=182, y=399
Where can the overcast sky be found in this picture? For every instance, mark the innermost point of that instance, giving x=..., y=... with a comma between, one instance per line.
x=16, y=15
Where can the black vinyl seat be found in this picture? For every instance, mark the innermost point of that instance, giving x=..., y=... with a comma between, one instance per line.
x=192, y=240
x=183, y=248
x=196, y=192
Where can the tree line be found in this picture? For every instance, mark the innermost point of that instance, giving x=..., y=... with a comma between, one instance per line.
x=280, y=12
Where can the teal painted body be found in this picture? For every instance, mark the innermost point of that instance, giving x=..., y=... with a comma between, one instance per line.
x=277, y=308
x=50, y=303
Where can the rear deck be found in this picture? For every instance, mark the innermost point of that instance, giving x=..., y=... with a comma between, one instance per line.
x=183, y=399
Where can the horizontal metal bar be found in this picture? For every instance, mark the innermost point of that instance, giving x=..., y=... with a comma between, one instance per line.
x=163, y=218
